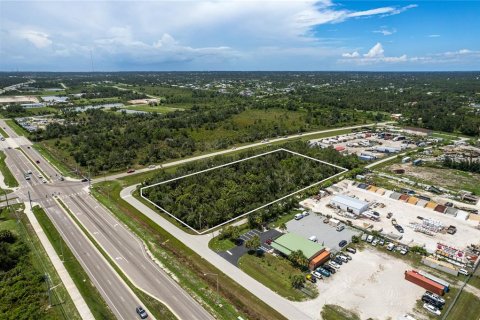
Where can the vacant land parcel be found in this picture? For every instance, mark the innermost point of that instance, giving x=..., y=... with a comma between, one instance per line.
x=220, y=194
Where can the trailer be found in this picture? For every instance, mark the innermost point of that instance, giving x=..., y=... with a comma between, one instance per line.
x=424, y=282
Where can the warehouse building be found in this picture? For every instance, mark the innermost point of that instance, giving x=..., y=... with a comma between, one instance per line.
x=349, y=204
x=313, y=251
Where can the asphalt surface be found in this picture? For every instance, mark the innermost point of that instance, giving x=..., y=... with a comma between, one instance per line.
x=122, y=246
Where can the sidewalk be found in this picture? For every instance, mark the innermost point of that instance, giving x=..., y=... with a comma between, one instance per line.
x=77, y=298
x=199, y=244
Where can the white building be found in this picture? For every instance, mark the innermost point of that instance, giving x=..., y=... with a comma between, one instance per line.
x=349, y=204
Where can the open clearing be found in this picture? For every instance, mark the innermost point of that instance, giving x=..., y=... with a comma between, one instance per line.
x=224, y=195
x=19, y=99
x=371, y=285
x=448, y=178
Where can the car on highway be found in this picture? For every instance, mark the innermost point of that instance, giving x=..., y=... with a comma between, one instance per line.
x=131, y=171
x=141, y=312
x=342, y=243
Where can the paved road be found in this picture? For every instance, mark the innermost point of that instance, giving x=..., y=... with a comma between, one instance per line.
x=118, y=296
x=126, y=250
x=200, y=245
x=248, y=146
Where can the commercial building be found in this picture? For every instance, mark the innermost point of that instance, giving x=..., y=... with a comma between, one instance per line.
x=313, y=251
x=349, y=204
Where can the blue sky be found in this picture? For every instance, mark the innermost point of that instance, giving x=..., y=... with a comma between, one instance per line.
x=239, y=35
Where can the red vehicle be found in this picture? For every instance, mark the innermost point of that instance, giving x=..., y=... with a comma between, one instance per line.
x=131, y=170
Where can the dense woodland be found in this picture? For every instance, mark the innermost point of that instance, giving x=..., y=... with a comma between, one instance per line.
x=22, y=286
x=224, y=108
x=467, y=165
x=207, y=199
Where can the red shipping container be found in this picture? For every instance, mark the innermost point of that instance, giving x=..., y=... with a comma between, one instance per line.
x=423, y=282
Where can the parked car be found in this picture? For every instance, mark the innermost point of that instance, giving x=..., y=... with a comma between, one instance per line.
x=323, y=272
x=298, y=216
x=340, y=227
x=269, y=241
x=333, y=264
x=343, y=258
x=370, y=238
x=131, y=171
x=434, y=296
x=317, y=274
x=326, y=220
x=390, y=246
x=84, y=180
x=337, y=260
x=463, y=271
x=342, y=243
x=399, y=228
x=329, y=268
x=389, y=215
x=351, y=250
x=431, y=301
x=311, y=278
x=381, y=242
x=142, y=313
x=432, y=309
x=375, y=242
x=38, y=161
x=349, y=257
x=313, y=239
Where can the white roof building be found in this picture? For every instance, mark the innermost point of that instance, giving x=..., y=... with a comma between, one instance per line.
x=349, y=204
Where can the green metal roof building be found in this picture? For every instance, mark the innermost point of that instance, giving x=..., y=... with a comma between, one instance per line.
x=292, y=242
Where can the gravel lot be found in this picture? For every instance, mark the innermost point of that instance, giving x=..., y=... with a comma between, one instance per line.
x=372, y=285
x=405, y=213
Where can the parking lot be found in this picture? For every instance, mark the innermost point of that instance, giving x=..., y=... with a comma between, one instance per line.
x=372, y=284
x=404, y=213
x=234, y=254
x=312, y=225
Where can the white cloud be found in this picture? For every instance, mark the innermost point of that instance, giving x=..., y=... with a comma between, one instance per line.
x=375, y=52
x=354, y=54
x=385, y=31
x=433, y=35
x=37, y=38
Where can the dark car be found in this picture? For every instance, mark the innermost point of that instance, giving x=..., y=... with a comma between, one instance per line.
x=131, y=171
x=351, y=250
x=142, y=313
x=399, y=228
x=269, y=241
x=84, y=180
x=38, y=161
x=342, y=243
x=337, y=260
x=329, y=269
x=433, y=302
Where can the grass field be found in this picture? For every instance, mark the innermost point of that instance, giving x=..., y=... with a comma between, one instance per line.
x=333, y=312
x=148, y=108
x=83, y=101
x=8, y=177
x=89, y=292
x=273, y=272
x=475, y=281
x=185, y=264
x=467, y=307
x=42, y=110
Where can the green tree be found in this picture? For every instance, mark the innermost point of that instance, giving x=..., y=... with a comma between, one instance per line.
x=283, y=227
x=253, y=243
x=297, y=281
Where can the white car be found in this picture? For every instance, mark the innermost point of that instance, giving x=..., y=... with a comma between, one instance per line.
x=375, y=242
x=390, y=246
x=317, y=275
x=333, y=265
x=432, y=309
x=463, y=271
x=44, y=181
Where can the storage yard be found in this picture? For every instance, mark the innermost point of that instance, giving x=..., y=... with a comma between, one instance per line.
x=406, y=213
x=371, y=285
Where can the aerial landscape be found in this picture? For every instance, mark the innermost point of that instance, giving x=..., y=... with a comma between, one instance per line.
x=240, y=159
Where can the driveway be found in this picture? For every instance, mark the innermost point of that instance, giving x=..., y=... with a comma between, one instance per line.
x=312, y=225
x=234, y=254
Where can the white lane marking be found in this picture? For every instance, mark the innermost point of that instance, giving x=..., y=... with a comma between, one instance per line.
x=229, y=253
